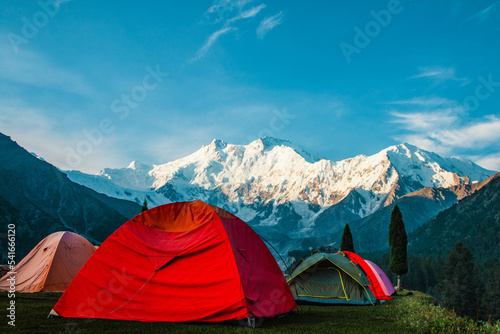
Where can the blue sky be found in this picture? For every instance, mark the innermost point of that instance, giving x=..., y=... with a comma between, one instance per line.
x=94, y=84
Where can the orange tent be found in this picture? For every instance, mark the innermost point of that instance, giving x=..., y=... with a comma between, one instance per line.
x=179, y=262
x=51, y=265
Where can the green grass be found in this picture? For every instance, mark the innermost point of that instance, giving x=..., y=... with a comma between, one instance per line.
x=32, y=311
x=420, y=314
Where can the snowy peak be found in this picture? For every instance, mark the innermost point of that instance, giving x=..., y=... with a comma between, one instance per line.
x=135, y=176
x=139, y=166
x=259, y=147
x=270, y=143
x=430, y=169
x=218, y=144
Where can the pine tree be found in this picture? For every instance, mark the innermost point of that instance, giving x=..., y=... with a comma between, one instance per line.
x=459, y=289
x=398, y=242
x=347, y=244
x=144, y=206
x=492, y=295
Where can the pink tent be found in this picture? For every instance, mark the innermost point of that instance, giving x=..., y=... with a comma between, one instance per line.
x=51, y=265
x=384, y=281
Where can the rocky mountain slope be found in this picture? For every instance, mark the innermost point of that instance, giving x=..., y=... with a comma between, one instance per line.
x=475, y=220
x=39, y=199
x=418, y=207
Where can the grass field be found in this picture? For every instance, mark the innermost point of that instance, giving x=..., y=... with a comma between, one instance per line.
x=32, y=311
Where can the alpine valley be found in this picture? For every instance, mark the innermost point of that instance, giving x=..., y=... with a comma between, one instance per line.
x=296, y=199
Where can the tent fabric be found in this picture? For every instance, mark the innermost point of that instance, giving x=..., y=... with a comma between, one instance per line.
x=331, y=279
x=377, y=286
x=179, y=262
x=52, y=264
x=384, y=281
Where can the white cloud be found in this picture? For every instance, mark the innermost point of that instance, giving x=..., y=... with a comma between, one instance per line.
x=443, y=126
x=210, y=41
x=269, y=23
x=252, y=12
x=444, y=73
x=229, y=13
x=427, y=102
x=221, y=9
x=447, y=134
x=491, y=161
x=448, y=129
x=476, y=135
x=427, y=113
x=424, y=121
x=440, y=74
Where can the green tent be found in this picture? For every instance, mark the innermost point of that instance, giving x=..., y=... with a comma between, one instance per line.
x=330, y=278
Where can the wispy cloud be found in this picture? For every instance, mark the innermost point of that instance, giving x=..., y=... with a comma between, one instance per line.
x=427, y=102
x=252, y=12
x=426, y=113
x=483, y=14
x=478, y=134
x=220, y=10
x=491, y=161
x=440, y=74
x=229, y=13
x=425, y=121
x=269, y=23
x=210, y=41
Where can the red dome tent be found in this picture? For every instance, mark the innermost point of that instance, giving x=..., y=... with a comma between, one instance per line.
x=178, y=262
x=376, y=284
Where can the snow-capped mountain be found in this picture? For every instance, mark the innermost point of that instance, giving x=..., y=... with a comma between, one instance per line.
x=278, y=186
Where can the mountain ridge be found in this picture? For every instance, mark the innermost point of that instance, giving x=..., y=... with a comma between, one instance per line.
x=202, y=167
x=279, y=187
